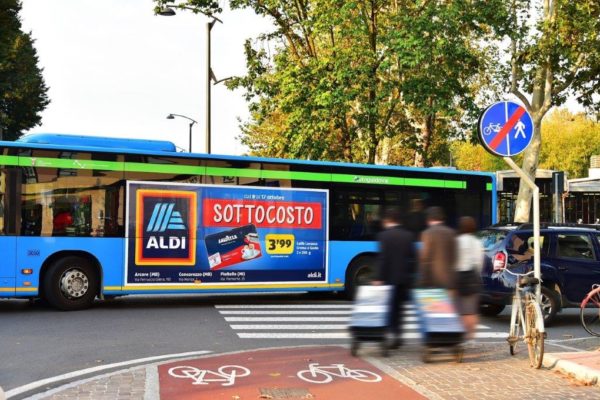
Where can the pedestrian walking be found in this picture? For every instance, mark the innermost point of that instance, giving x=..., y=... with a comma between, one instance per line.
x=416, y=220
x=437, y=257
x=396, y=267
x=468, y=269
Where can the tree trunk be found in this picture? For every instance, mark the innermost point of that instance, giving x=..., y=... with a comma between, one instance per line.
x=530, y=164
x=424, y=141
x=383, y=156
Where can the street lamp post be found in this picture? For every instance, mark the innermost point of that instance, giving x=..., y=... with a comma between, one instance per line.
x=192, y=122
x=210, y=76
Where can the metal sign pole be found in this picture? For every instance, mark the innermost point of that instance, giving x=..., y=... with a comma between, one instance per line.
x=536, y=222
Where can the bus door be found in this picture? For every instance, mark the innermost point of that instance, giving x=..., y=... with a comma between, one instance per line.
x=8, y=244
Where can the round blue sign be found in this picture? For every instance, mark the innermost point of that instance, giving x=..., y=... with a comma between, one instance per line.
x=505, y=128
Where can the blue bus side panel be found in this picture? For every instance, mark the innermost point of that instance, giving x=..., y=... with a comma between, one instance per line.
x=33, y=251
x=341, y=255
x=8, y=246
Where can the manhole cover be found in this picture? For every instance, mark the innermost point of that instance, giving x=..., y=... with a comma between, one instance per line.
x=285, y=393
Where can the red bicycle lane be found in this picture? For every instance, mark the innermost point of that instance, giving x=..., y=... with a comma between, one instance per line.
x=325, y=372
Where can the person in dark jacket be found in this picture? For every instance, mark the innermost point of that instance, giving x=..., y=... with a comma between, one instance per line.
x=437, y=258
x=396, y=267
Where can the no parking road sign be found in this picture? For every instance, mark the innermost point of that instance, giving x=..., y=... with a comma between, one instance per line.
x=505, y=128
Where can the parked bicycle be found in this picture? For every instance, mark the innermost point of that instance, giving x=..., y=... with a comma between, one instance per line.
x=526, y=319
x=589, y=312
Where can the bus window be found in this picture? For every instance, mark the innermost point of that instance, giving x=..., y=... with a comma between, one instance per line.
x=355, y=215
x=277, y=175
x=70, y=194
x=167, y=169
x=220, y=172
x=3, y=200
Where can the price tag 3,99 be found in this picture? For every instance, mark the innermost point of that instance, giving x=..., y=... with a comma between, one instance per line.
x=280, y=243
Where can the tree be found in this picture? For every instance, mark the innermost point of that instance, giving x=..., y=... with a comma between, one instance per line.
x=23, y=93
x=473, y=157
x=357, y=80
x=569, y=142
x=554, y=53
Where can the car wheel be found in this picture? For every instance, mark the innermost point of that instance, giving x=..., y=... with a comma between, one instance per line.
x=549, y=304
x=491, y=310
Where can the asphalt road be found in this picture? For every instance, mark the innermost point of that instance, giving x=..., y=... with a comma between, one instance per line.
x=37, y=342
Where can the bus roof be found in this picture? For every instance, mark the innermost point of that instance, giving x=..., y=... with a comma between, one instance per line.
x=98, y=142
x=165, y=148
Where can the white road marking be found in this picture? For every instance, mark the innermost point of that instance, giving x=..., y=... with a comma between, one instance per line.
x=287, y=312
x=286, y=319
x=313, y=321
x=299, y=319
x=48, y=381
x=286, y=306
x=289, y=326
x=344, y=335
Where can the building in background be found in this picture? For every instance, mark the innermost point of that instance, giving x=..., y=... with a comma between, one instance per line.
x=561, y=199
x=583, y=200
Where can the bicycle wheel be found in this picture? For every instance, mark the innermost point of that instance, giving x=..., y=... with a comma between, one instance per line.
x=314, y=376
x=534, y=321
x=515, y=328
x=234, y=371
x=184, y=371
x=362, y=375
x=590, y=313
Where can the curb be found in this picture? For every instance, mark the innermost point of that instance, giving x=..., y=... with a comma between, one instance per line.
x=587, y=376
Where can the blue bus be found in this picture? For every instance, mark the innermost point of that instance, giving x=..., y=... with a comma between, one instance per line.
x=90, y=217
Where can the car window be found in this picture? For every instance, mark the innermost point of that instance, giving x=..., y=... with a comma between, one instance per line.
x=490, y=238
x=520, y=245
x=575, y=246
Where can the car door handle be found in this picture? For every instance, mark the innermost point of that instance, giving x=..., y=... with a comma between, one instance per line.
x=563, y=268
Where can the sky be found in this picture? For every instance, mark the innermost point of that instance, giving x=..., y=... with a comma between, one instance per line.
x=115, y=69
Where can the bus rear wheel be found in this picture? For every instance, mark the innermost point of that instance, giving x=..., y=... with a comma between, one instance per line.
x=71, y=283
x=360, y=272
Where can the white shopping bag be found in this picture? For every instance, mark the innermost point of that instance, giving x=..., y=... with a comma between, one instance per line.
x=372, y=298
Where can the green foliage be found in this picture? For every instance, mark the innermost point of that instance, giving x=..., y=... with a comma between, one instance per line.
x=473, y=157
x=22, y=89
x=554, y=53
x=365, y=81
x=569, y=142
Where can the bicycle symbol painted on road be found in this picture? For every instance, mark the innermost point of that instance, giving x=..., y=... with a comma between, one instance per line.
x=325, y=374
x=225, y=374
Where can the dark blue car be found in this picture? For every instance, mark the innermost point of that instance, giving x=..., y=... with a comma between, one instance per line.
x=570, y=264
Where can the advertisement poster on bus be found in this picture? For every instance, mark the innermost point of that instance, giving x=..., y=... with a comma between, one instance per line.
x=203, y=234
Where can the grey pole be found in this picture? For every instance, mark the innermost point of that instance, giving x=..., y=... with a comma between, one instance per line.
x=191, y=124
x=209, y=26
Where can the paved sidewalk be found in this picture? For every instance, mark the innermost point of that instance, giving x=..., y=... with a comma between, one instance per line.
x=487, y=371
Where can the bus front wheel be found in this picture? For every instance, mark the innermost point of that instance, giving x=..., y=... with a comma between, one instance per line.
x=71, y=283
x=360, y=272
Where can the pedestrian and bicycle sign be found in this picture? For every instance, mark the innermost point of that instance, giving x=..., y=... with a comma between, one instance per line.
x=505, y=128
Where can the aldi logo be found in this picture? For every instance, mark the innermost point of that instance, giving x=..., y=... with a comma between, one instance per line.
x=165, y=217
x=165, y=227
